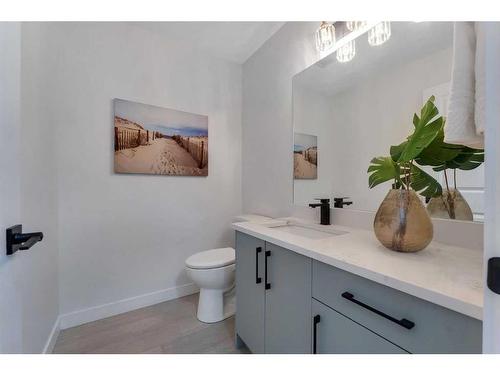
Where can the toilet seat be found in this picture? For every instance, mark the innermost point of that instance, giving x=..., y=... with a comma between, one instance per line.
x=215, y=258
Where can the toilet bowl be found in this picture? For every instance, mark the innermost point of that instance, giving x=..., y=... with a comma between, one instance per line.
x=213, y=272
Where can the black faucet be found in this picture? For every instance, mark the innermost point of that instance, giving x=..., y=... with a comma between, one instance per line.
x=340, y=203
x=325, y=210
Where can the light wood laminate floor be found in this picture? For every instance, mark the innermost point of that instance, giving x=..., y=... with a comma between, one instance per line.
x=169, y=327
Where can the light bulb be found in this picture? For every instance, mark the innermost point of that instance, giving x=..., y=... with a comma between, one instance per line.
x=347, y=52
x=355, y=25
x=325, y=36
x=379, y=34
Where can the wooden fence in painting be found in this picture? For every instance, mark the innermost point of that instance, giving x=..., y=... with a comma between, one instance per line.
x=130, y=138
x=311, y=155
x=196, y=146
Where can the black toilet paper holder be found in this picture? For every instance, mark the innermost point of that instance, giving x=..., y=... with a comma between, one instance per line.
x=17, y=240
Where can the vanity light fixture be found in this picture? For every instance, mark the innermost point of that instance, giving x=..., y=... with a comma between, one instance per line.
x=347, y=52
x=325, y=36
x=345, y=47
x=355, y=25
x=379, y=34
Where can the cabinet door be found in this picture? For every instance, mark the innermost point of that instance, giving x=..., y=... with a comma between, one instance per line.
x=336, y=334
x=250, y=294
x=288, y=301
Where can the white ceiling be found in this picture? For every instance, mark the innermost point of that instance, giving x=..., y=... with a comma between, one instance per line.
x=232, y=41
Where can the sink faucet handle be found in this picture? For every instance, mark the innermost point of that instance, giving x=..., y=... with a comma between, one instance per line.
x=323, y=200
x=340, y=202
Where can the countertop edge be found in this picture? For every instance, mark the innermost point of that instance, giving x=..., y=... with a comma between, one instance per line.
x=460, y=306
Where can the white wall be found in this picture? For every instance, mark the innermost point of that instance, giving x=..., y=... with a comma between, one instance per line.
x=28, y=279
x=38, y=197
x=267, y=117
x=122, y=236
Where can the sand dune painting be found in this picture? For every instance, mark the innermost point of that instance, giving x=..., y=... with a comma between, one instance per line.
x=305, y=156
x=156, y=140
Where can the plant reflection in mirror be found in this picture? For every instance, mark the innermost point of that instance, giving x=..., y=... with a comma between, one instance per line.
x=426, y=147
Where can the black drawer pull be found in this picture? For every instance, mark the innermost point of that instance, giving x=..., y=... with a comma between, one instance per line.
x=268, y=254
x=316, y=320
x=258, y=279
x=402, y=322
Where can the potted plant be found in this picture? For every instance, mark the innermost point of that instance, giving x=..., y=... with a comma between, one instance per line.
x=401, y=222
x=445, y=157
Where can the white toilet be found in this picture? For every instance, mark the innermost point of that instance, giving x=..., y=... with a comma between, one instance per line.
x=213, y=272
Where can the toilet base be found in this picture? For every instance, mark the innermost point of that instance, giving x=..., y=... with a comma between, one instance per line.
x=215, y=305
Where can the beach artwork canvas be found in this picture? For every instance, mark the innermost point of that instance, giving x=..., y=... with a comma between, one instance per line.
x=305, y=156
x=156, y=140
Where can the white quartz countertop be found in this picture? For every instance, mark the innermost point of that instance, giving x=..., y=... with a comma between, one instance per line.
x=446, y=275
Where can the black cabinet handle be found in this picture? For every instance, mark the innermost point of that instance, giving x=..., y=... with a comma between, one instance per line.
x=268, y=254
x=402, y=322
x=258, y=279
x=316, y=320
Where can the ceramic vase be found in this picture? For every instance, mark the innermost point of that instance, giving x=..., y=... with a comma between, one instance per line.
x=402, y=222
x=450, y=205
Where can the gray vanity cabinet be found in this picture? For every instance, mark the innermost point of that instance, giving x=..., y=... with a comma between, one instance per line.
x=273, y=307
x=250, y=294
x=335, y=333
x=288, y=302
x=416, y=325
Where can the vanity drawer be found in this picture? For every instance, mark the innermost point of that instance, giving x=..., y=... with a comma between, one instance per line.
x=336, y=334
x=436, y=329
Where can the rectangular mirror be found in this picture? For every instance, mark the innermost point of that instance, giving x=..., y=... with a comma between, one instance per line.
x=346, y=113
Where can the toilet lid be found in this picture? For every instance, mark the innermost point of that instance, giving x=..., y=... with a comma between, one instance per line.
x=212, y=258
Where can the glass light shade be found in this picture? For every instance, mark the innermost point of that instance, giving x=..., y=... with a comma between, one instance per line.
x=355, y=25
x=379, y=34
x=325, y=36
x=346, y=52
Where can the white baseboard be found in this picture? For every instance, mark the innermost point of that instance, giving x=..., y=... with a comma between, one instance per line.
x=51, y=341
x=91, y=314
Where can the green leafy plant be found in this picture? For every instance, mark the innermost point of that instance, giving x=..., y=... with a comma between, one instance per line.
x=383, y=169
x=442, y=157
x=424, y=147
x=400, y=166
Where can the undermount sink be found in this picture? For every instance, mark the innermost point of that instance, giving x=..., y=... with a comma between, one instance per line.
x=310, y=233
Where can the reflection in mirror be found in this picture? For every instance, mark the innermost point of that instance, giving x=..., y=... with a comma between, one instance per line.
x=305, y=156
x=344, y=114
